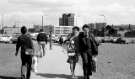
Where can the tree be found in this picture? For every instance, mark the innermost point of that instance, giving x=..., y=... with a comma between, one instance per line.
x=121, y=29
x=110, y=31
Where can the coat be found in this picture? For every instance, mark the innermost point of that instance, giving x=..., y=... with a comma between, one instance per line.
x=90, y=46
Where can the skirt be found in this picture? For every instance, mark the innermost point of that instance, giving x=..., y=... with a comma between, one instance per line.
x=72, y=59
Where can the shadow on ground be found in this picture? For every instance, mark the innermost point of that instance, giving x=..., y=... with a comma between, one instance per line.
x=8, y=77
x=56, y=76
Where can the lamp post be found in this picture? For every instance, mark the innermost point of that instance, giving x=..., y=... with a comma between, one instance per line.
x=42, y=22
x=50, y=40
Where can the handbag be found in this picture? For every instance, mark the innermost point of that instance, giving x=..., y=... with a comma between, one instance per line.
x=70, y=49
x=29, y=52
x=93, y=64
x=34, y=63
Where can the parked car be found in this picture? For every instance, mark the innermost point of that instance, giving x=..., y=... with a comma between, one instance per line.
x=6, y=39
x=120, y=41
x=55, y=39
x=107, y=40
x=14, y=38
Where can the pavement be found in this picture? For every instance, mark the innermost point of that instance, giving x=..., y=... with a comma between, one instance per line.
x=115, y=61
x=54, y=66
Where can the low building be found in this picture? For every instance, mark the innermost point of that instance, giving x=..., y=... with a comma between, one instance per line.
x=97, y=26
x=62, y=30
x=48, y=28
x=11, y=30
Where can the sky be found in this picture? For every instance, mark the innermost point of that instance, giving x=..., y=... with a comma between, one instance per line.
x=86, y=11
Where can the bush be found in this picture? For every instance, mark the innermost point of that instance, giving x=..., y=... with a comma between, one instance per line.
x=130, y=34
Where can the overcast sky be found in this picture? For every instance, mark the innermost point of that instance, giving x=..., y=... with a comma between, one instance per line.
x=30, y=11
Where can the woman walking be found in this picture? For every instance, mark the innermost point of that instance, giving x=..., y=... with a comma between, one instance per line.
x=72, y=49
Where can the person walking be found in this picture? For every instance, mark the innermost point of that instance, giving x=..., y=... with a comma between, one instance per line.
x=89, y=50
x=61, y=40
x=42, y=41
x=73, y=50
x=37, y=53
x=25, y=42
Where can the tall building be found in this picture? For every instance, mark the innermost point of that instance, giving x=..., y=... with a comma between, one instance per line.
x=60, y=21
x=67, y=20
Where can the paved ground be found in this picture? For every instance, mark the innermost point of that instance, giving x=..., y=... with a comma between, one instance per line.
x=9, y=64
x=54, y=66
x=115, y=61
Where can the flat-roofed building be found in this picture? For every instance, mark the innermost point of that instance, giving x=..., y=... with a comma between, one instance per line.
x=62, y=30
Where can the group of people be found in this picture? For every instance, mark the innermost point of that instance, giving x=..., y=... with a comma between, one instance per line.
x=82, y=44
x=78, y=44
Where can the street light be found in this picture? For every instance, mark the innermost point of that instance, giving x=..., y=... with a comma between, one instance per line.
x=42, y=22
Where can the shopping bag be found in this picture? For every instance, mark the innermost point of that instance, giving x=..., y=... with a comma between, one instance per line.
x=34, y=63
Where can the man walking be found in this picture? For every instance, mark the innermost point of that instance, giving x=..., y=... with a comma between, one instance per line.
x=88, y=49
x=42, y=41
x=25, y=42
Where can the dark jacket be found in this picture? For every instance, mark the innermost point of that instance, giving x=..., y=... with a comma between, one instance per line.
x=88, y=44
x=42, y=37
x=76, y=40
x=25, y=42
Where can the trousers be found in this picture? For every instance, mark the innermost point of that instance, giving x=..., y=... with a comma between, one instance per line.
x=87, y=66
x=26, y=66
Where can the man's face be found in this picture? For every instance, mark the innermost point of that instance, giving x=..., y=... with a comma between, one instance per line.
x=86, y=30
x=75, y=31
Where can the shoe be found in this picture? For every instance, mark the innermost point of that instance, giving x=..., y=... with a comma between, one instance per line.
x=35, y=70
x=86, y=77
x=23, y=77
x=74, y=77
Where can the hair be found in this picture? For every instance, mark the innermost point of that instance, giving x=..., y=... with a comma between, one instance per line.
x=77, y=28
x=23, y=29
x=85, y=26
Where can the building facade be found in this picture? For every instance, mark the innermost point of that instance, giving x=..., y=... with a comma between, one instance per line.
x=11, y=30
x=67, y=20
x=48, y=28
x=97, y=26
x=62, y=30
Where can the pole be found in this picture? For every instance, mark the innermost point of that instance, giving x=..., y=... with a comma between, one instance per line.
x=76, y=20
x=50, y=40
x=42, y=22
x=2, y=20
